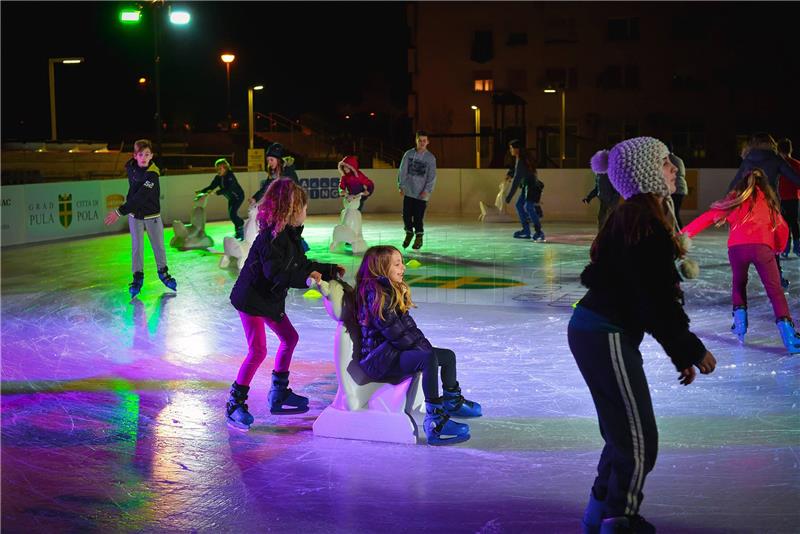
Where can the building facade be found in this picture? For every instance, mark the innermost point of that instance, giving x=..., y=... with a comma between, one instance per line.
x=701, y=76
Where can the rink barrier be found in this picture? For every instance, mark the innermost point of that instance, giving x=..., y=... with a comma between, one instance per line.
x=43, y=212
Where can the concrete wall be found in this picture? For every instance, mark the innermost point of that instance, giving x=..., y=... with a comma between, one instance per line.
x=43, y=212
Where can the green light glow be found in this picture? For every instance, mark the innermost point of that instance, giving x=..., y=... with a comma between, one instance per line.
x=130, y=16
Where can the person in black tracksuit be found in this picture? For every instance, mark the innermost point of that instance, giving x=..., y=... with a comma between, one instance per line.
x=226, y=184
x=608, y=196
x=143, y=208
x=633, y=288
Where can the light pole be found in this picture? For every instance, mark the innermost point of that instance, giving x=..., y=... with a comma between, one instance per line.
x=178, y=17
x=251, y=119
x=477, y=136
x=228, y=58
x=51, y=71
x=563, y=139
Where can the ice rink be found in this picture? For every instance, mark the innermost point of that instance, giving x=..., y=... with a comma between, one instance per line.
x=113, y=410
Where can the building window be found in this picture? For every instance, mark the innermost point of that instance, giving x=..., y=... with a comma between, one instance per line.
x=618, y=77
x=694, y=27
x=689, y=139
x=626, y=29
x=687, y=82
x=553, y=143
x=517, y=39
x=560, y=30
x=631, y=76
x=483, y=81
x=558, y=77
x=482, y=47
x=620, y=129
x=517, y=80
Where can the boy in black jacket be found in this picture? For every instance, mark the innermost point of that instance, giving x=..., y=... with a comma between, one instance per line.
x=143, y=208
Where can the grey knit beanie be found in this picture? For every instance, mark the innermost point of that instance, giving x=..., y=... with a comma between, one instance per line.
x=634, y=166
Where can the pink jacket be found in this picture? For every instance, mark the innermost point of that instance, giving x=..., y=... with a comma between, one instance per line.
x=746, y=227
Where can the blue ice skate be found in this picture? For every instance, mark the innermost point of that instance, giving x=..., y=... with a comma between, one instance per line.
x=136, y=286
x=739, y=326
x=165, y=277
x=440, y=430
x=457, y=406
x=236, y=410
x=789, y=336
x=282, y=400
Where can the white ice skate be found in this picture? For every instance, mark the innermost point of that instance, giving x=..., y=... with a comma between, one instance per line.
x=349, y=228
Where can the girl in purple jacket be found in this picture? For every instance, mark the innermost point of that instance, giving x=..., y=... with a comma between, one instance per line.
x=393, y=347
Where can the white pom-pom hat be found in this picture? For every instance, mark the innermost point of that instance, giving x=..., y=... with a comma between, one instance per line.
x=634, y=166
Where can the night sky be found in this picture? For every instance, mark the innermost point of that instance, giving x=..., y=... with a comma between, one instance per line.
x=312, y=57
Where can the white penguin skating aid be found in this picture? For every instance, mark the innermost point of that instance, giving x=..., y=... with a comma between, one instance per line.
x=236, y=251
x=349, y=228
x=192, y=236
x=363, y=409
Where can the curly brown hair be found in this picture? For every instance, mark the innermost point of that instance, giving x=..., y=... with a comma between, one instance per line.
x=282, y=203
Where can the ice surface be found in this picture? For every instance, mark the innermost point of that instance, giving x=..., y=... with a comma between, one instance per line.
x=113, y=410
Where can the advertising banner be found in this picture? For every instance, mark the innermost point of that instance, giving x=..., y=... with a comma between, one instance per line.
x=12, y=217
x=65, y=209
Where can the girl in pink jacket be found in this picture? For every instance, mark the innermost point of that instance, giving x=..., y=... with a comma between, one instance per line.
x=757, y=234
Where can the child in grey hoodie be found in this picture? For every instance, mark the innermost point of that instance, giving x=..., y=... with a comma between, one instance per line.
x=415, y=181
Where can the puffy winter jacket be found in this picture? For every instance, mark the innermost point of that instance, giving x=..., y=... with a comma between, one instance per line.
x=382, y=340
x=355, y=182
x=271, y=268
x=747, y=227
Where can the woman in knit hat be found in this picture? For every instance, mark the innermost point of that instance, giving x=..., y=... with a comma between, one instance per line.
x=633, y=288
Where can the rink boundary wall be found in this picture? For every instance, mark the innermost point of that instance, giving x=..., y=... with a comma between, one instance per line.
x=43, y=212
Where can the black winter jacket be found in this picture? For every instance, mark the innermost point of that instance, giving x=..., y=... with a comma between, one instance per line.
x=144, y=191
x=529, y=182
x=768, y=161
x=603, y=190
x=271, y=268
x=383, y=340
x=228, y=187
x=638, y=289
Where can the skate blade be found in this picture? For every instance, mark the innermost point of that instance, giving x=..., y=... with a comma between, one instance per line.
x=289, y=411
x=449, y=441
x=237, y=426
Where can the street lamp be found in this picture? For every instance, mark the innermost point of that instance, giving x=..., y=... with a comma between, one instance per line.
x=178, y=17
x=228, y=58
x=477, y=136
x=51, y=71
x=563, y=139
x=250, y=117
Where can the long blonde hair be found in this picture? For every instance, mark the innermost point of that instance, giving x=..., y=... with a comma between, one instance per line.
x=375, y=267
x=746, y=189
x=282, y=202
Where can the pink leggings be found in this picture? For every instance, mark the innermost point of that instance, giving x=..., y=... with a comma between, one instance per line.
x=763, y=257
x=256, y=336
